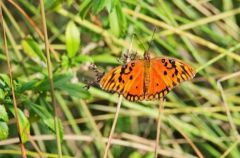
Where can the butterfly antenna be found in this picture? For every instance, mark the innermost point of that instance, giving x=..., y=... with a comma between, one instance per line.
x=139, y=41
x=127, y=57
x=146, y=53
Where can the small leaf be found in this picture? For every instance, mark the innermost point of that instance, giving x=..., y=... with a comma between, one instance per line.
x=83, y=58
x=52, y=4
x=110, y=5
x=3, y=114
x=102, y=59
x=114, y=23
x=6, y=79
x=49, y=122
x=121, y=18
x=98, y=5
x=58, y=80
x=2, y=95
x=135, y=155
x=4, y=131
x=72, y=35
x=27, y=86
x=75, y=90
x=117, y=20
x=24, y=124
x=85, y=7
x=32, y=49
x=69, y=2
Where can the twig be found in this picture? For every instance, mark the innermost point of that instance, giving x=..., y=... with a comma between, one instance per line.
x=194, y=147
x=5, y=47
x=50, y=77
x=161, y=107
x=113, y=126
x=230, y=119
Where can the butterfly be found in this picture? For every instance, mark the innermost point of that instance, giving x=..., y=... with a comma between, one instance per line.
x=147, y=78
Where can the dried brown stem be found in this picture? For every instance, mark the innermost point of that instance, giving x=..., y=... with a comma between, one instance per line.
x=160, y=113
x=5, y=47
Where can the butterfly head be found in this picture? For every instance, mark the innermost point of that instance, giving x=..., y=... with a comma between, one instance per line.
x=146, y=55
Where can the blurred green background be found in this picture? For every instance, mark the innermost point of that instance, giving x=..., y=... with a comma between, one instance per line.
x=203, y=33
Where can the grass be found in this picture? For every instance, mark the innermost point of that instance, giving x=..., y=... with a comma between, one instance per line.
x=200, y=117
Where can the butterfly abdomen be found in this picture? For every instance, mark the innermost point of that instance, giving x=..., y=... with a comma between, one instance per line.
x=146, y=78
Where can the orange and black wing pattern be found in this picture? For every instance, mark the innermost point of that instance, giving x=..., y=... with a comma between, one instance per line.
x=166, y=73
x=126, y=80
x=146, y=79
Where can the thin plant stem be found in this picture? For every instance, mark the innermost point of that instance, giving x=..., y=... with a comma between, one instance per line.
x=194, y=147
x=50, y=77
x=230, y=119
x=160, y=113
x=35, y=27
x=40, y=154
x=5, y=47
x=234, y=145
x=113, y=126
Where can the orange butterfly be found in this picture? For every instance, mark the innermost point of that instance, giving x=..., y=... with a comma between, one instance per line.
x=146, y=79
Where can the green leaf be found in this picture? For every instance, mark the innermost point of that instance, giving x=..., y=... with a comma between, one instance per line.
x=121, y=18
x=4, y=131
x=72, y=35
x=83, y=58
x=3, y=114
x=27, y=86
x=110, y=5
x=102, y=59
x=2, y=95
x=58, y=80
x=85, y=7
x=70, y=2
x=52, y=4
x=32, y=49
x=117, y=20
x=6, y=79
x=45, y=116
x=135, y=155
x=24, y=124
x=114, y=23
x=49, y=122
x=75, y=90
x=98, y=5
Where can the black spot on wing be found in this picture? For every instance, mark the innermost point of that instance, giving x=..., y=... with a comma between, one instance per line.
x=130, y=68
x=165, y=72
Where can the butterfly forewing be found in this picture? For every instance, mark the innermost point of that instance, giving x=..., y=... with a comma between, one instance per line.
x=123, y=79
x=173, y=71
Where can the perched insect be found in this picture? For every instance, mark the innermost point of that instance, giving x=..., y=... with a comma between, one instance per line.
x=146, y=79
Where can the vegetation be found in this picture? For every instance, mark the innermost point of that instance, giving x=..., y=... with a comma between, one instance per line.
x=44, y=100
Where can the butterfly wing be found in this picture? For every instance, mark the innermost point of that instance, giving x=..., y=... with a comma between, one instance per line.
x=126, y=80
x=165, y=74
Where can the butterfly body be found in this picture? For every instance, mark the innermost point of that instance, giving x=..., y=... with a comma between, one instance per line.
x=146, y=79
